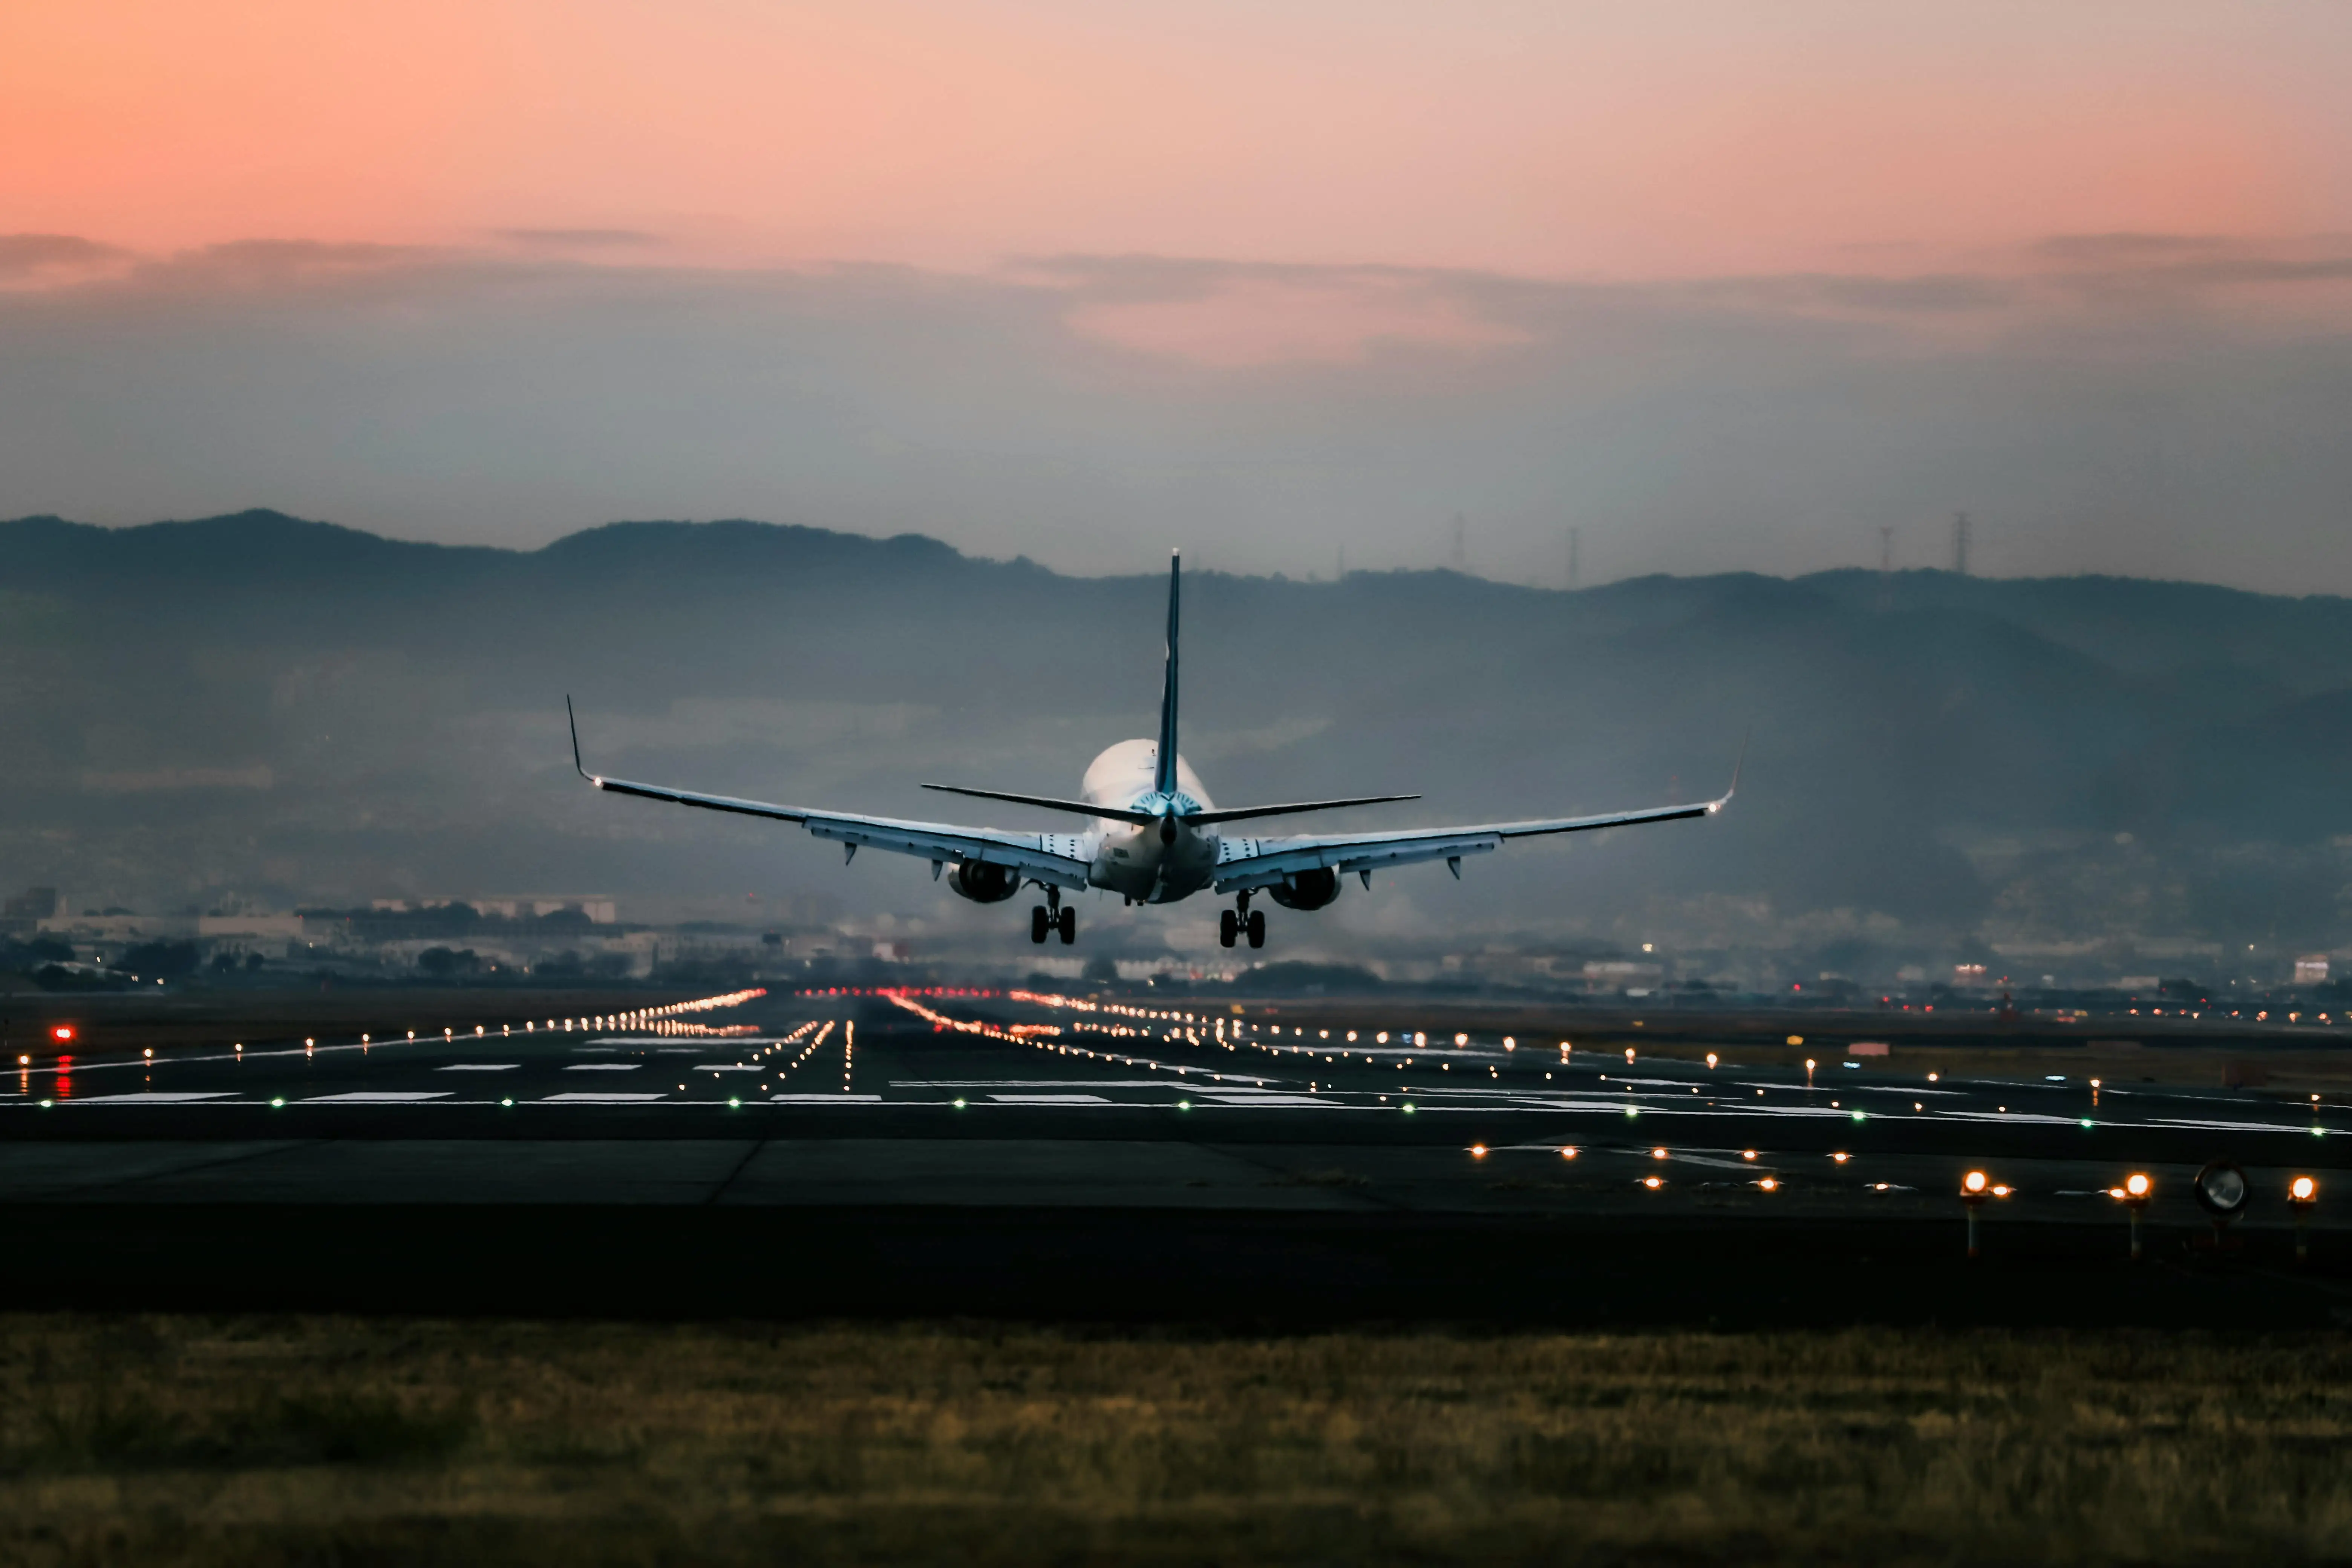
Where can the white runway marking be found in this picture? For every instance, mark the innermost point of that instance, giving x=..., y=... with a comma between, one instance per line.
x=1050, y=1099
x=479, y=1067
x=378, y=1097
x=727, y=1067
x=823, y=1098
x=2228, y=1126
x=150, y=1098
x=603, y=1066
x=598, y=1099
x=1227, y=1096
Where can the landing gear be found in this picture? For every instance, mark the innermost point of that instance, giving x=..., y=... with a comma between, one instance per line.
x=1050, y=916
x=1229, y=925
x=1257, y=928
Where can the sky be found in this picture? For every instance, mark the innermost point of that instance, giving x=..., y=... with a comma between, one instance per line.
x=1716, y=286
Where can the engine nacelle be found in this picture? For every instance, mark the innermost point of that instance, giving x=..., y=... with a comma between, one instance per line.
x=1305, y=889
x=983, y=883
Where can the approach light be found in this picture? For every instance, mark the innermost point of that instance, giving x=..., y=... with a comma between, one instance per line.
x=2303, y=1190
x=1710, y=1059
x=1747, y=1154
x=1478, y=1151
x=1769, y=1185
x=1840, y=1156
x=2136, y=1184
x=1568, y=1153
x=1653, y=1182
x=149, y=1053
x=1973, y=1183
x=1657, y=1153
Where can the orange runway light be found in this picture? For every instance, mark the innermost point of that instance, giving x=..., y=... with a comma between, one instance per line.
x=1653, y=1182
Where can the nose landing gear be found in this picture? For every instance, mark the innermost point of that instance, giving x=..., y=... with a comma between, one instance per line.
x=1233, y=923
x=1051, y=916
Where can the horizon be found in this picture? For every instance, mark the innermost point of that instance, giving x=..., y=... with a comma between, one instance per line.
x=1194, y=563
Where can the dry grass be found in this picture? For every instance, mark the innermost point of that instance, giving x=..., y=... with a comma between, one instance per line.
x=261, y=1441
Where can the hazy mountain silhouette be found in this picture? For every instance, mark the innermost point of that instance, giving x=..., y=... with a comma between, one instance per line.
x=289, y=710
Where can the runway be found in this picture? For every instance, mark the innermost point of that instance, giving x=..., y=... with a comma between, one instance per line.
x=1073, y=1130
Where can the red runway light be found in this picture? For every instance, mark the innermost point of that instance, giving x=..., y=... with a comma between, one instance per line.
x=63, y=1034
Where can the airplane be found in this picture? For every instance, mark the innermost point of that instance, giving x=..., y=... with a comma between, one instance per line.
x=1153, y=836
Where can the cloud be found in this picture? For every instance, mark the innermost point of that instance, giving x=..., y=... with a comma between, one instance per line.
x=2168, y=408
x=580, y=239
x=52, y=257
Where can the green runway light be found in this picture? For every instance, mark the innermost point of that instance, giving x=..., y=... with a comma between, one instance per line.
x=959, y=1105
x=1183, y=1105
x=47, y=1103
x=1858, y=1116
x=2086, y=1122
x=277, y=1103
x=733, y=1103
x=1408, y=1110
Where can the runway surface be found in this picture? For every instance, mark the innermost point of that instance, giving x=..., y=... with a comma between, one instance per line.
x=941, y=1118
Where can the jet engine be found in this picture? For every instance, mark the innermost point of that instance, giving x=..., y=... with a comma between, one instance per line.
x=1306, y=889
x=983, y=883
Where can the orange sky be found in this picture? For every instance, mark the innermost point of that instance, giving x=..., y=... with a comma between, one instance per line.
x=1552, y=139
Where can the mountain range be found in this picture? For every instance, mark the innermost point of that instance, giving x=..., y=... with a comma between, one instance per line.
x=2069, y=773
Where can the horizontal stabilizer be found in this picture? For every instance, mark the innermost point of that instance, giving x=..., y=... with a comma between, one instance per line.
x=1244, y=814
x=1083, y=808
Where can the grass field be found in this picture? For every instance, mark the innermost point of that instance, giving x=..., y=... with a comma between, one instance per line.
x=317, y=1441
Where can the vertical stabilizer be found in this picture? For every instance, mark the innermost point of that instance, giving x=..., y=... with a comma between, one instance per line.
x=1164, y=768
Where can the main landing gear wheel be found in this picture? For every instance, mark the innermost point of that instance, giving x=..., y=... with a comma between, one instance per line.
x=1257, y=928
x=1069, y=924
x=1229, y=925
x=1038, y=921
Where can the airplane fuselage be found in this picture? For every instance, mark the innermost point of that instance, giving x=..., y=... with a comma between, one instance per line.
x=1151, y=863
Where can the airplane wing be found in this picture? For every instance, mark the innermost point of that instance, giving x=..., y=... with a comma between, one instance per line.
x=1056, y=857
x=1263, y=862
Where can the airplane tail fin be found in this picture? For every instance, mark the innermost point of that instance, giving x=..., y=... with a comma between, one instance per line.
x=1164, y=771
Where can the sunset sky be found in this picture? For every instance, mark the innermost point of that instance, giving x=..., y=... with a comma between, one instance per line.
x=1724, y=286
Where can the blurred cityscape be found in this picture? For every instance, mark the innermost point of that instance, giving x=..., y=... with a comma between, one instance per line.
x=519, y=939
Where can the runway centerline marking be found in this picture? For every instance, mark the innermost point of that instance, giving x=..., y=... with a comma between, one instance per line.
x=479, y=1067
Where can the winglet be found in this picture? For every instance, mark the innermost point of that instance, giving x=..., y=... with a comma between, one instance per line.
x=1733, y=787
x=574, y=719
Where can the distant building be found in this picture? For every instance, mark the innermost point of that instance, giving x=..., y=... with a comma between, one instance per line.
x=2311, y=969
x=23, y=915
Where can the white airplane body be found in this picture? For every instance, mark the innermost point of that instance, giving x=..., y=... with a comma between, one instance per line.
x=1153, y=837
